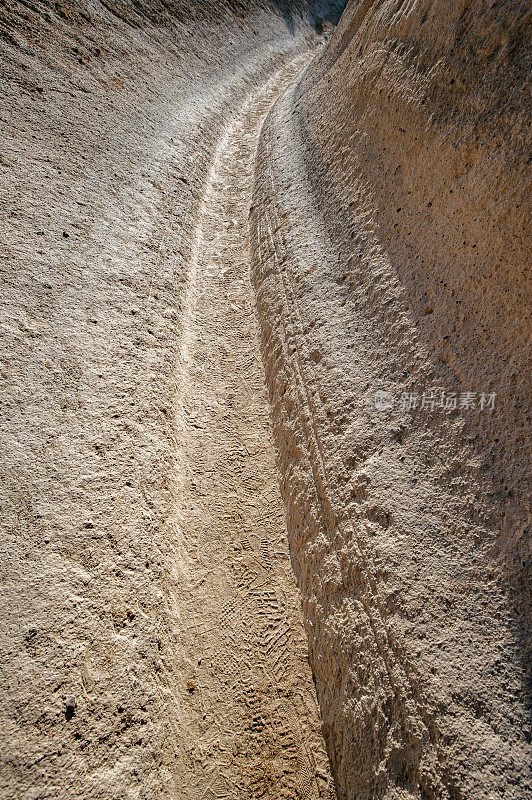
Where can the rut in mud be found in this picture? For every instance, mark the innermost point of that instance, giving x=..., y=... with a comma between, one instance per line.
x=250, y=725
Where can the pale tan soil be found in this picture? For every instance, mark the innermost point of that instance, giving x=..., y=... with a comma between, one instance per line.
x=391, y=247
x=248, y=724
x=152, y=641
x=132, y=547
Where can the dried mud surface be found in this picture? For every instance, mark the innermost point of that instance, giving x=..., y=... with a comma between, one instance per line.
x=389, y=254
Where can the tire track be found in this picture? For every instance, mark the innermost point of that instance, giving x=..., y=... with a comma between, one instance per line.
x=249, y=725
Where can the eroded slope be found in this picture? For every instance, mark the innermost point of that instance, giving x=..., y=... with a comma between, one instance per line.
x=112, y=115
x=390, y=257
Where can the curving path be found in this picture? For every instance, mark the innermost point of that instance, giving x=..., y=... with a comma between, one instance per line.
x=249, y=723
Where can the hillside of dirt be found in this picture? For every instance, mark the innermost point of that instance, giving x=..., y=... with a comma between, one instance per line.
x=390, y=257
x=264, y=384
x=151, y=634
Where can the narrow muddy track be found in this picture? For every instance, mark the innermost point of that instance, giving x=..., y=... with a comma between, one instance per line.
x=249, y=725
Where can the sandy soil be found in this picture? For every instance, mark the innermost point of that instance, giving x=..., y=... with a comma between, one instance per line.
x=390, y=255
x=248, y=722
x=151, y=631
x=166, y=480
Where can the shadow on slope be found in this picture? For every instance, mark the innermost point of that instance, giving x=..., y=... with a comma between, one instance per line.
x=316, y=12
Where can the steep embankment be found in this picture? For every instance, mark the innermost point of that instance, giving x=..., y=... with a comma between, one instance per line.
x=389, y=257
x=151, y=642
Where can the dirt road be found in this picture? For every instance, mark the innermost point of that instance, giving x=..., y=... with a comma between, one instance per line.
x=249, y=725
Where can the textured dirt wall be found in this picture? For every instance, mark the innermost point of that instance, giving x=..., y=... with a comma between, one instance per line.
x=110, y=115
x=390, y=255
